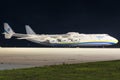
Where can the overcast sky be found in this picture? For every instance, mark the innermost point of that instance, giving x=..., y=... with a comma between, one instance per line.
x=60, y=16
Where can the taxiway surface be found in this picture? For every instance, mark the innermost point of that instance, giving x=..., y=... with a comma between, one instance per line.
x=11, y=58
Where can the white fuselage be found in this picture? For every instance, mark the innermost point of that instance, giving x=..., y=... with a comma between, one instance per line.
x=74, y=39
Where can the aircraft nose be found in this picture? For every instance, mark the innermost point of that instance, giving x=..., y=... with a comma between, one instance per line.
x=116, y=41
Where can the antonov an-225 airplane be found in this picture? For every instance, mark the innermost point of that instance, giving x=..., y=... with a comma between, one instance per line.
x=69, y=39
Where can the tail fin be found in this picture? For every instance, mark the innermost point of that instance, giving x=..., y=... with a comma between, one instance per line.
x=8, y=31
x=29, y=30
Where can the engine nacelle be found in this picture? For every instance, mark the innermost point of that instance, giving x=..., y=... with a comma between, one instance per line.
x=76, y=40
x=53, y=41
x=64, y=40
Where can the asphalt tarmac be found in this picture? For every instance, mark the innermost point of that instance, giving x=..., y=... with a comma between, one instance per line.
x=13, y=58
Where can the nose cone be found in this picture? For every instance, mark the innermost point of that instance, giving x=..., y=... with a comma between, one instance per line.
x=115, y=41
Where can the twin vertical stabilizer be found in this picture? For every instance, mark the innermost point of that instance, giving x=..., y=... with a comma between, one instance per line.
x=29, y=30
x=8, y=31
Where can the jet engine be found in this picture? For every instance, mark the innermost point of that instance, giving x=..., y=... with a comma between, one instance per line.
x=53, y=41
x=75, y=40
x=64, y=40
